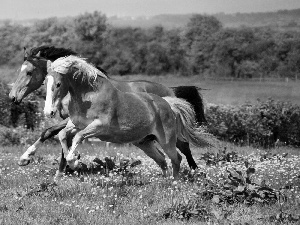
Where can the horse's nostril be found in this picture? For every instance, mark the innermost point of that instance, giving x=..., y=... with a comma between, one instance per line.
x=52, y=113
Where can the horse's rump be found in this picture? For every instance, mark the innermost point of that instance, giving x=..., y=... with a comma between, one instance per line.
x=186, y=122
x=192, y=95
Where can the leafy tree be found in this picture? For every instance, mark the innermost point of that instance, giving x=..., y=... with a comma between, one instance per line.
x=51, y=31
x=123, y=50
x=90, y=26
x=177, y=57
x=11, y=37
x=156, y=59
x=232, y=48
x=200, y=28
x=290, y=64
x=198, y=41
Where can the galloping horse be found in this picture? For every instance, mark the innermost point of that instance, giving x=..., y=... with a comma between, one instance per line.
x=32, y=76
x=97, y=108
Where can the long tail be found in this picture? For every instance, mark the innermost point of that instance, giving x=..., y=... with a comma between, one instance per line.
x=187, y=130
x=192, y=95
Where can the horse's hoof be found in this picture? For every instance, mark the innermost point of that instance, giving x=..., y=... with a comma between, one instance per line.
x=58, y=176
x=23, y=162
x=194, y=167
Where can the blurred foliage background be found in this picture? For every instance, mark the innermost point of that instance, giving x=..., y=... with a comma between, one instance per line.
x=202, y=47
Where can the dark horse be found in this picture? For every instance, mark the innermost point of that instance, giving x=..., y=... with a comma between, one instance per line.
x=34, y=70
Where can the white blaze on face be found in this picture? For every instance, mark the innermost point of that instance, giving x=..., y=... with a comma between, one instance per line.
x=49, y=96
x=23, y=67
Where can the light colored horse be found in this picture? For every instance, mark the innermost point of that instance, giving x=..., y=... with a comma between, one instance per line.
x=32, y=75
x=98, y=109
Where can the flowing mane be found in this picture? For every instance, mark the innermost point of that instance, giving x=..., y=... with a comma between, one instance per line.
x=50, y=52
x=84, y=69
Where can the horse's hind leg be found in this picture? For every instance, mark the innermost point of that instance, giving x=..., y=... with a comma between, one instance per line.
x=46, y=134
x=170, y=150
x=185, y=149
x=151, y=150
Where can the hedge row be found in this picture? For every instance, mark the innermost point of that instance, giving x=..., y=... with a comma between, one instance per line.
x=265, y=123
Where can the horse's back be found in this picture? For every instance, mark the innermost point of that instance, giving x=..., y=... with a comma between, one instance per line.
x=158, y=89
x=143, y=104
x=159, y=106
x=143, y=86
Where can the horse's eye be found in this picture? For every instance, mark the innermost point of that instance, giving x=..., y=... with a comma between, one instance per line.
x=58, y=85
x=29, y=73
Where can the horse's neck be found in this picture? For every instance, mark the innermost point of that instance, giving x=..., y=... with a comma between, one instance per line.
x=102, y=87
x=43, y=67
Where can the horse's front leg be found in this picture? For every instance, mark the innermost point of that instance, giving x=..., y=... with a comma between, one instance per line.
x=65, y=137
x=90, y=131
x=46, y=134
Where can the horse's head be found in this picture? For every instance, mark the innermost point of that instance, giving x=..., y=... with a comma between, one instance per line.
x=68, y=73
x=57, y=89
x=31, y=77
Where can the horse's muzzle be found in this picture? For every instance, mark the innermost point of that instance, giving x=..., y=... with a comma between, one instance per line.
x=50, y=113
x=14, y=100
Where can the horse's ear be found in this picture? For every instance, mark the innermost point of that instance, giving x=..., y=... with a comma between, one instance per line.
x=48, y=65
x=25, y=54
x=38, y=54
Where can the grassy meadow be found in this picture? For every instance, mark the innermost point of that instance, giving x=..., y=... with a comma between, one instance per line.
x=233, y=92
x=138, y=194
x=242, y=185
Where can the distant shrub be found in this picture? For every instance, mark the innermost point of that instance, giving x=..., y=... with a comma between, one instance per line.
x=24, y=114
x=21, y=136
x=261, y=124
x=9, y=136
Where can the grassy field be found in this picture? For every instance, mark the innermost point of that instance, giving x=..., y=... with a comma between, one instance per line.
x=233, y=92
x=243, y=186
x=140, y=195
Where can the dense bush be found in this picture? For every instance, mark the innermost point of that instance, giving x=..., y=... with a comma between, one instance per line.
x=25, y=114
x=19, y=124
x=265, y=123
x=10, y=136
x=18, y=136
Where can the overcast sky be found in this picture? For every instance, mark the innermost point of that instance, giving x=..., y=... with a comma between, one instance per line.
x=26, y=9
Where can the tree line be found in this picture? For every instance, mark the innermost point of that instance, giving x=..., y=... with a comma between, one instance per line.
x=202, y=47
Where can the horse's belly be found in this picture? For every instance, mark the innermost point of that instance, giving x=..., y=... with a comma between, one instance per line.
x=121, y=136
x=80, y=122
